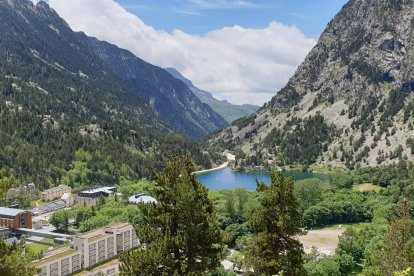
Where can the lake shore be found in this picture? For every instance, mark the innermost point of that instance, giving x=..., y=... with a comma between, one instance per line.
x=230, y=157
x=222, y=166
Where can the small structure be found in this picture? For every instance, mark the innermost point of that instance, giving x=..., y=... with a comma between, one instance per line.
x=15, y=218
x=37, y=223
x=55, y=192
x=31, y=189
x=141, y=198
x=90, y=197
x=68, y=198
x=229, y=266
x=12, y=240
x=5, y=233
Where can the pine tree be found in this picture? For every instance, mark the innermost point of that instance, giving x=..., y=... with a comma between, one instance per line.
x=180, y=236
x=274, y=250
x=13, y=260
x=398, y=251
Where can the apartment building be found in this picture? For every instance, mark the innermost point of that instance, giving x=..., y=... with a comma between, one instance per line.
x=91, y=248
x=59, y=262
x=97, y=246
x=55, y=192
x=15, y=218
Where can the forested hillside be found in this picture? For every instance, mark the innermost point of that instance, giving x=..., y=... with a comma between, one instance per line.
x=165, y=94
x=57, y=96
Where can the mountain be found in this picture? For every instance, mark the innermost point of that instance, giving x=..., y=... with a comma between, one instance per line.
x=350, y=103
x=165, y=94
x=228, y=111
x=57, y=96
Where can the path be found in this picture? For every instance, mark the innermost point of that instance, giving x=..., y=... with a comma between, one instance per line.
x=230, y=157
x=222, y=166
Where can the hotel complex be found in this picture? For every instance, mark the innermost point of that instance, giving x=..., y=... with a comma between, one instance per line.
x=89, y=249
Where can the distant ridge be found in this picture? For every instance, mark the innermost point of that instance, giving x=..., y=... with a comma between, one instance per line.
x=228, y=111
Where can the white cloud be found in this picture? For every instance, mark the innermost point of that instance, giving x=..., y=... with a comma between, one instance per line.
x=234, y=63
x=219, y=4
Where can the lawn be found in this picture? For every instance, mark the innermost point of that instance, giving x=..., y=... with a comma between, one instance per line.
x=36, y=248
x=327, y=170
x=367, y=187
x=36, y=203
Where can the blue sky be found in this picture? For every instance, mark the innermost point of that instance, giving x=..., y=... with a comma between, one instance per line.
x=199, y=17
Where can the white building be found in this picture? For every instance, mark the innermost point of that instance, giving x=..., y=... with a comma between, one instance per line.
x=141, y=198
x=59, y=262
x=89, y=249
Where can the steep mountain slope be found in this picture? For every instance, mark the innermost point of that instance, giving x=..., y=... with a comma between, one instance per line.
x=170, y=98
x=228, y=111
x=350, y=103
x=57, y=96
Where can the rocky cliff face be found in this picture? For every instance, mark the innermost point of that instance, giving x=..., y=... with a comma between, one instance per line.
x=358, y=82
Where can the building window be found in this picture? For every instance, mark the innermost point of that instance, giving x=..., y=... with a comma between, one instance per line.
x=54, y=269
x=64, y=267
x=110, y=272
x=43, y=272
x=75, y=263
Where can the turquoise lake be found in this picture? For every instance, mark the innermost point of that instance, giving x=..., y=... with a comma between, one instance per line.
x=227, y=179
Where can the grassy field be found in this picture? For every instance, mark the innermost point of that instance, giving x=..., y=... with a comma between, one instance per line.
x=36, y=248
x=325, y=169
x=366, y=187
x=35, y=203
x=326, y=239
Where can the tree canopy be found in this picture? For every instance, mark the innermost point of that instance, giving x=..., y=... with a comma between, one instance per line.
x=180, y=236
x=276, y=221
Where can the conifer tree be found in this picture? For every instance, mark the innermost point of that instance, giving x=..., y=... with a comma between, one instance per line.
x=14, y=261
x=398, y=252
x=274, y=248
x=180, y=235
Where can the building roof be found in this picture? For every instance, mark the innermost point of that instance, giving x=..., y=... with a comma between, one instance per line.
x=120, y=225
x=65, y=251
x=56, y=189
x=54, y=205
x=10, y=211
x=90, y=234
x=103, y=189
x=11, y=240
x=66, y=196
x=141, y=198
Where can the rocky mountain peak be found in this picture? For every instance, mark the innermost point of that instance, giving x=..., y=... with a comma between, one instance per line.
x=359, y=78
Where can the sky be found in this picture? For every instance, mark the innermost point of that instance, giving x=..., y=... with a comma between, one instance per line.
x=242, y=51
